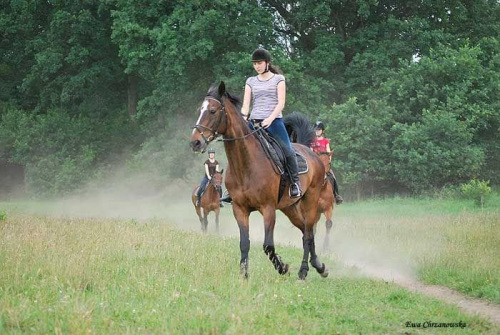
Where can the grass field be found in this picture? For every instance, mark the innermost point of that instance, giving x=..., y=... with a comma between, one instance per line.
x=117, y=267
x=115, y=276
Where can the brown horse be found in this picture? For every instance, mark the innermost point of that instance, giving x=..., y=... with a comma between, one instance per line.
x=253, y=183
x=209, y=202
x=326, y=202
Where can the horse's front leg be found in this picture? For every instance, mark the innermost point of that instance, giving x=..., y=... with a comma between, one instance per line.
x=204, y=223
x=269, y=214
x=201, y=216
x=241, y=215
x=217, y=211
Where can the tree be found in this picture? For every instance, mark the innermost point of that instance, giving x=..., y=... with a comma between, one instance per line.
x=361, y=141
x=435, y=152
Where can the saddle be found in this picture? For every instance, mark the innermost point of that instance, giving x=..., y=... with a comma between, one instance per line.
x=276, y=155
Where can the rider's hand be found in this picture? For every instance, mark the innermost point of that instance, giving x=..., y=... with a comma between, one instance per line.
x=267, y=122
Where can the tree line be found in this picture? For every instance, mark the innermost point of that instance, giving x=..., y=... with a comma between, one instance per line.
x=409, y=91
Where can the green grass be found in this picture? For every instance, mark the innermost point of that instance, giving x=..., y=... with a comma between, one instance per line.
x=67, y=275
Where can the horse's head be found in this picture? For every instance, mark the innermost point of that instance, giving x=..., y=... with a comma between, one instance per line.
x=217, y=178
x=325, y=159
x=212, y=121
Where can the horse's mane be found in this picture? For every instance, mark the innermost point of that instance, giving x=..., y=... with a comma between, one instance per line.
x=299, y=128
x=213, y=92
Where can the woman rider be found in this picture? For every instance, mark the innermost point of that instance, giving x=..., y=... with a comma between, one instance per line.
x=211, y=166
x=267, y=92
x=322, y=144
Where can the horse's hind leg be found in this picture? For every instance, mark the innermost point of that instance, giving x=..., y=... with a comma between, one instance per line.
x=311, y=217
x=315, y=262
x=298, y=221
x=269, y=215
x=328, y=225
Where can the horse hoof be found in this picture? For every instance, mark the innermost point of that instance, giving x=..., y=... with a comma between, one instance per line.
x=285, y=270
x=302, y=275
x=244, y=270
x=325, y=273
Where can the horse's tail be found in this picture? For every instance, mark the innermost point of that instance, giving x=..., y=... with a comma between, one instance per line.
x=299, y=128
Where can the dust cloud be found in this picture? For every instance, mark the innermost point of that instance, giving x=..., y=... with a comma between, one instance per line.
x=347, y=255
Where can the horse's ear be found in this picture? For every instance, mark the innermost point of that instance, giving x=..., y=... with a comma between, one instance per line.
x=222, y=89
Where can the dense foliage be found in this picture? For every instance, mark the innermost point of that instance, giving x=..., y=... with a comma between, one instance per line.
x=409, y=91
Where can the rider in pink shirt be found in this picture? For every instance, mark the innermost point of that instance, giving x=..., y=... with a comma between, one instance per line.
x=322, y=144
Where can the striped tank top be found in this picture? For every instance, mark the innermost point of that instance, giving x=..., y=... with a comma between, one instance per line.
x=264, y=96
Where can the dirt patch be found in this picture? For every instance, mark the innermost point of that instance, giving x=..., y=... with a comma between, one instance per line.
x=469, y=305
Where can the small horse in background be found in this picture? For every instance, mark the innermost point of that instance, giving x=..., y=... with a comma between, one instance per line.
x=326, y=201
x=253, y=183
x=209, y=202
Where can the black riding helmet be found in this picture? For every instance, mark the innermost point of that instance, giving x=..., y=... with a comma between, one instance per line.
x=319, y=125
x=261, y=55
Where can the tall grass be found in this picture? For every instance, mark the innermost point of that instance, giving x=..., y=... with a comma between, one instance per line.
x=109, y=276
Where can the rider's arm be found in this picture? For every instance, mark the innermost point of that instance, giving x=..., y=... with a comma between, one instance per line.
x=329, y=150
x=245, y=108
x=207, y=172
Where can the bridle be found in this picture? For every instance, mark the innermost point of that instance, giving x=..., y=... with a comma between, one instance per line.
x=214, y=133
x=212, y=181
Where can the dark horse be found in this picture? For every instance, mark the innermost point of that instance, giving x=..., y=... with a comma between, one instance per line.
x=326, y=202
x=253, y=183
x=209, y=201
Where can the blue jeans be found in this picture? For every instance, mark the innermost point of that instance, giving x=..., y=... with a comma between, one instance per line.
x=203, y=184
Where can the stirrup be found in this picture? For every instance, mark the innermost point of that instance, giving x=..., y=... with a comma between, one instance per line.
x=295, y=191
x=338, y=199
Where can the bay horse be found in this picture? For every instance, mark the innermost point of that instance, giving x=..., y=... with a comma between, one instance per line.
x=254, y=184
x=209, y=202
x=326, y=201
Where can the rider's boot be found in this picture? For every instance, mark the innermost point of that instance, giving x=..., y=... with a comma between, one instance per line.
x=219, y=189
x=295, y=191
x=338, y=199
x=227, y=199
x=333, y=181
x=198, y=196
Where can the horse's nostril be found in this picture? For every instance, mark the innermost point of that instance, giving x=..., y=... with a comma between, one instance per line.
x=195, y=144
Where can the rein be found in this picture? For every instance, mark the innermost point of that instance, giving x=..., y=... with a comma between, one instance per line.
x=215, y=133
x=238, y=138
